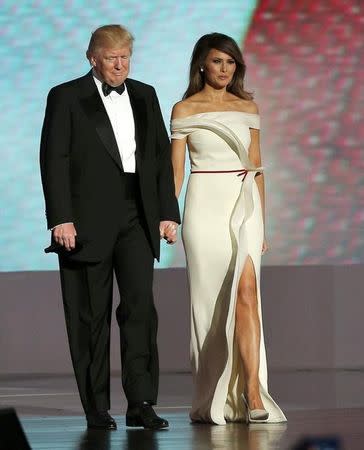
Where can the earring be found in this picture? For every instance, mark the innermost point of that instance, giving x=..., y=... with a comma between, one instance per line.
x=201, y=69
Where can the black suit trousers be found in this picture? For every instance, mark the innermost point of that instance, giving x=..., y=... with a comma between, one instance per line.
x=87, y=296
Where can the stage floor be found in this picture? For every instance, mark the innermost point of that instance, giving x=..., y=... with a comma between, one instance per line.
x=322, y=403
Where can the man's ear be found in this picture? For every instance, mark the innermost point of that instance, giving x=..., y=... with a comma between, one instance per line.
x=91, y=59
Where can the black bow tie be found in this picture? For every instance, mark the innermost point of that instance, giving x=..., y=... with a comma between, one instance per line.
x=106, y=88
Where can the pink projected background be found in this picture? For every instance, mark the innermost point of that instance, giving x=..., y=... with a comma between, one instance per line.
x=305, y=66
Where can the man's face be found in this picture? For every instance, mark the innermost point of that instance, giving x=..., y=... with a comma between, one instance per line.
x=112, y=64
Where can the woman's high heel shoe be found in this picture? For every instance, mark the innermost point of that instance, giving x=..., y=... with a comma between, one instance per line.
x=255, y=415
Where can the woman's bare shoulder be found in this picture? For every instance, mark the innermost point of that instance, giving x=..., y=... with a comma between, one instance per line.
x=240, y=104
x=250, y=106
x=180, y=109
x=186, y=107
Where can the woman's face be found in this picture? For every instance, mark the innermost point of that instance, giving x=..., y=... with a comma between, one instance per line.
x=219, y=68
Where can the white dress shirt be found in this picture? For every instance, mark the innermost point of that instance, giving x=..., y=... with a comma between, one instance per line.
x=120, y=113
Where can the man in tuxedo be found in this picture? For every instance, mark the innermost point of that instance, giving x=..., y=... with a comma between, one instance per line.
x=109, y=194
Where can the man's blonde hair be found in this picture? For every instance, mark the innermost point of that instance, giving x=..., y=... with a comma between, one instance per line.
x=109, y=36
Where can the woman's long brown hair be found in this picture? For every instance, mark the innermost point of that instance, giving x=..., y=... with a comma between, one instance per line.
x=224, y=44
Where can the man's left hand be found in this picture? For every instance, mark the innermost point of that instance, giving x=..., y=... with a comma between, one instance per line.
x=168, y=231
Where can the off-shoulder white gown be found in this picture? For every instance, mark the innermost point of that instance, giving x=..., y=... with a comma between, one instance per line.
x=222, y=227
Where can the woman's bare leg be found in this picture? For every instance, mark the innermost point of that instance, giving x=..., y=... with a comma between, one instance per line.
x=247, y=333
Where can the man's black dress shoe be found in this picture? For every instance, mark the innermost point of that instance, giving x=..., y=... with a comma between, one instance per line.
x=100, y=420
x=143, y=415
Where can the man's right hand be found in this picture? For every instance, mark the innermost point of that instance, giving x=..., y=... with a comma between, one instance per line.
x=65, y=234
x=168, y=231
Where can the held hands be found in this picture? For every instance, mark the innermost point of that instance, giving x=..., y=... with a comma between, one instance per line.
x=168, y=231
x=65, y=234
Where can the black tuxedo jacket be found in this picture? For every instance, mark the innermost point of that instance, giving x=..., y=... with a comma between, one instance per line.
x=82, y=171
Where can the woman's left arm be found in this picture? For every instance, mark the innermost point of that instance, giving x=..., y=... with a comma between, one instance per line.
x=255, y=158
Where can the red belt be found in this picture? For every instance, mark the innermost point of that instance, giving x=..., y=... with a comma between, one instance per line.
x=241, y=172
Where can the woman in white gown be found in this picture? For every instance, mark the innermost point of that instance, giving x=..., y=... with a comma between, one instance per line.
x=223, y=235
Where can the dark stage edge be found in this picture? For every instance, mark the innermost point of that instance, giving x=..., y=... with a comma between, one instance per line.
x=317, y=403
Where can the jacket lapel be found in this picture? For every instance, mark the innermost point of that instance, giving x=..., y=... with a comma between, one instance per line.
x=96, y=112
x=138, y=106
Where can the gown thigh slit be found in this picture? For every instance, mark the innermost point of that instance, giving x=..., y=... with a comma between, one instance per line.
x=248, y=263
x=222, y=230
